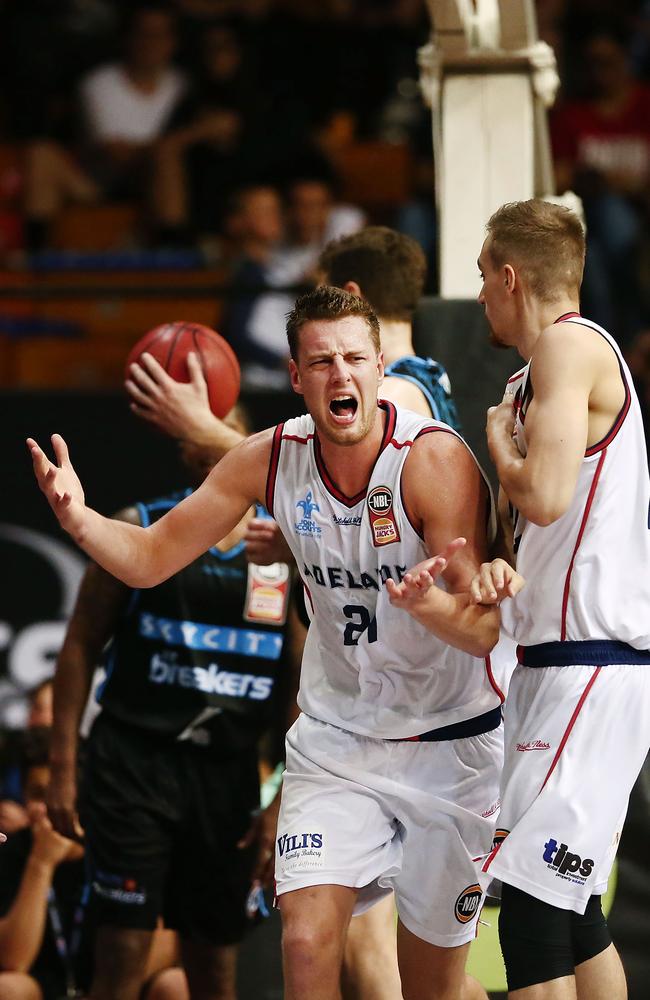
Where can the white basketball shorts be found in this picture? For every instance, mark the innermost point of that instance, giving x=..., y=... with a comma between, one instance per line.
x=382, y=815
x=575, y=739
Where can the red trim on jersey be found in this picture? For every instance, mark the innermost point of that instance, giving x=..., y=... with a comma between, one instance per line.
x=273, y=467
x=517, y=375
x=328, y=482
x=616, y=426
x=583, y=524
x=572, y=721
x=295, y=437
x=492, y=855
x=493, y=684
x=308, y=596
x=565, y=316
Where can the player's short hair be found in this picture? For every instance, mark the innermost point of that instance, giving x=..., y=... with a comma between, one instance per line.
x=389, y=268
x=543, y=241
x=328, y=303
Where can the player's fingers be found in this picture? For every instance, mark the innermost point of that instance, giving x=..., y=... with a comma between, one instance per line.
x=153, y=369
x=143, y=378
x=136, y=393
x=498, y=574
x=60, y=450
x=195, y=368
x=475, y=590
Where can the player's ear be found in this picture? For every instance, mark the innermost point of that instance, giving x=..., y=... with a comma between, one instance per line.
x=509, y=277
x=380, y=368
x=294, y=376
x=353, y=288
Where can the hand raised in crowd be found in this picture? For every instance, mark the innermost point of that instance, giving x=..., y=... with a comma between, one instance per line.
x=61, y=800
x=419, y=580
x=265, y=543
x=60, y=484
x=180, y=409
x=494, y=582
x=48, y=846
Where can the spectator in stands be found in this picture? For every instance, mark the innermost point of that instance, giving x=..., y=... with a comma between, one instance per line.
x=200, y=162
x=41, y=881
x=601, y=145
x=125, y=108
x=313, y=219
x=13, y=814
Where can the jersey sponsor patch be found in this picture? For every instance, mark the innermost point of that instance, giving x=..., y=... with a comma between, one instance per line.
x=382, y=516
x=306, y=525
x=301, y=850
x=267, y=593
x=211, y=638
x=468, y=903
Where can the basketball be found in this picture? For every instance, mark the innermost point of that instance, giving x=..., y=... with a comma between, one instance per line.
x=170, y=344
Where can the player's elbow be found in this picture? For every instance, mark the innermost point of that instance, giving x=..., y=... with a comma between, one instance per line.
x=544, y=507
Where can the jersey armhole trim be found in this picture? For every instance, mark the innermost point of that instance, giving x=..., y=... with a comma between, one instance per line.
x=274, y=461
x=583, y=524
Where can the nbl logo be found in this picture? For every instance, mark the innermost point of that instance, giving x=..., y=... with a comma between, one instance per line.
x=382, y=516
x=468, y=903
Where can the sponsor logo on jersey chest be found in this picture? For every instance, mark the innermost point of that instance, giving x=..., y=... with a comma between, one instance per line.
x=382, y=516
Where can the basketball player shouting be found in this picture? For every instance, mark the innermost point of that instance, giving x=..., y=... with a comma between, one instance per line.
x=393, y=765
x=568, y=444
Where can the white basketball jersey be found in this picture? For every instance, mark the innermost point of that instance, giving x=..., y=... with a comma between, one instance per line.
x=588, y=574
x=368, y=667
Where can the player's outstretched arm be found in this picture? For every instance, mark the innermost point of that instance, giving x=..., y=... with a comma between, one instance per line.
x=446, y=498
x=180, y=409
x=144, y=557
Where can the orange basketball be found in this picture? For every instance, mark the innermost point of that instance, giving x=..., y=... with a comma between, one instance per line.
x=170, y=344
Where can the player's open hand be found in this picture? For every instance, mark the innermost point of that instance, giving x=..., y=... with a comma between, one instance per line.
x=265, y=543
x=416, y=584
x=60, y=484
x=494, y=582
x=180, y=409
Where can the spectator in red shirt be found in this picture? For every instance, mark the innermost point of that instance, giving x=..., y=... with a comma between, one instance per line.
x=601, y=146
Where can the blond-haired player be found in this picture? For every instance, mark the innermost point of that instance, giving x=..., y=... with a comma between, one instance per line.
x=569, y=448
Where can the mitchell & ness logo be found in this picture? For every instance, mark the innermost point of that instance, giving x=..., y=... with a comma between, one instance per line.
x=533, y=745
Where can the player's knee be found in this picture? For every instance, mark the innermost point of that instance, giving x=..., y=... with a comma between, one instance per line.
x=535, y=938
x=309, y=942
x=589, y=932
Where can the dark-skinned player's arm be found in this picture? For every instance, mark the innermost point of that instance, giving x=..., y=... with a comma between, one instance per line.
x=100, y=602
x=447, y=501
x=144, y=557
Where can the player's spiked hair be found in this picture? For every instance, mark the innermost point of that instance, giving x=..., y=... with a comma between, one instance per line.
x=328, y=303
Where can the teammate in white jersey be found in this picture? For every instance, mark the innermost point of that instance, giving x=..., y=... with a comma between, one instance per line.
x=392, y=782
x=568, y=444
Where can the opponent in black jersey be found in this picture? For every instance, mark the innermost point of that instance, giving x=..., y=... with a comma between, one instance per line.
x=170, y=782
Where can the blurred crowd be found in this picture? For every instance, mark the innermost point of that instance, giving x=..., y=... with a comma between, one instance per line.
x=227, y=122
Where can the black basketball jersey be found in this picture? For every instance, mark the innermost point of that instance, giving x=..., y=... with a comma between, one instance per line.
x=198, y=656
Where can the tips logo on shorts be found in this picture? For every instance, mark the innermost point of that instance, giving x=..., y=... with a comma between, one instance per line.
x=306, y=525
x=382, y=516
x=568, y=866
x=468, y=903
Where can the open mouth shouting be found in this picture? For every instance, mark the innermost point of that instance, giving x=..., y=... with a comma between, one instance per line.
x=343, y=408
